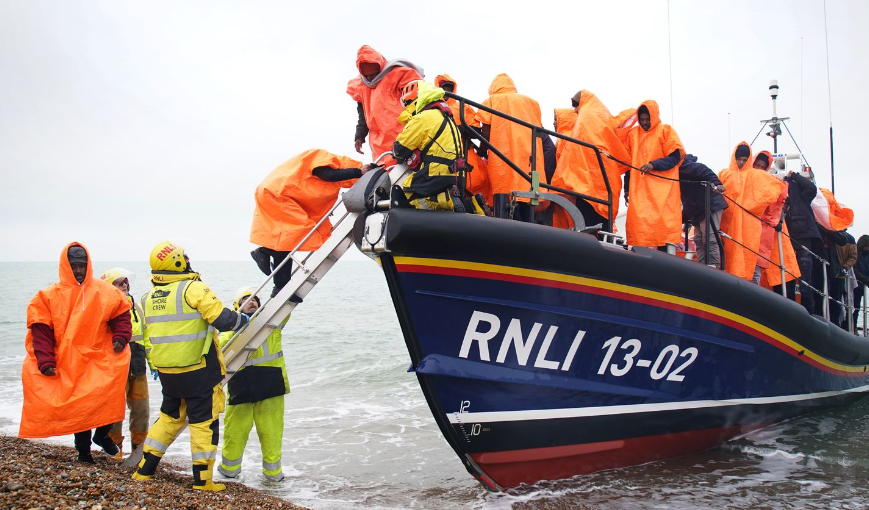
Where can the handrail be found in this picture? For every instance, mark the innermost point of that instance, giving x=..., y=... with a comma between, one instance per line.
x=535, y=134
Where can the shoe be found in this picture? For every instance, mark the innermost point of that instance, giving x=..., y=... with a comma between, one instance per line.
x=210, y=486
x=108, y=446
x=87, y=458
x=140, y=477
x=262, y=261
x=295, y=299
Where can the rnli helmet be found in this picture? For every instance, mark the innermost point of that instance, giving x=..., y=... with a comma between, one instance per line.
x=117, y=273
x=241, y=295
x=168, y=257
x=410, y=92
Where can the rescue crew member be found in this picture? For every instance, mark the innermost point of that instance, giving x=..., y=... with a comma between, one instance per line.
x=181, y=314
x=431, y=146
x=137, y=381
x=256, y=395
x=74, y=372
x=654, y=214
x=376, y=91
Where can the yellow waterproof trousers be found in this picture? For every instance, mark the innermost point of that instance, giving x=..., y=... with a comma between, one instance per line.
x=137, y=403
x=201, y=411
x=268, y=415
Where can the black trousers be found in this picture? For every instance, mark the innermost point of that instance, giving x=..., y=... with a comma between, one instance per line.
x=282, y=277
x=83, y=439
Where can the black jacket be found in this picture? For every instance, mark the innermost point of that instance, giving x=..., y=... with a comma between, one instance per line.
x=694, y=193
x=799, y=216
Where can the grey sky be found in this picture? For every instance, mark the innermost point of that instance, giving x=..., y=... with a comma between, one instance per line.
x=125, y=123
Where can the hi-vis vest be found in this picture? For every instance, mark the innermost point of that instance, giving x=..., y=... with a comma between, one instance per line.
x=137, y=317
x=178, y=334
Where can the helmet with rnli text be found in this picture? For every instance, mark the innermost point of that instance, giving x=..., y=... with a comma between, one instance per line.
x=410, y=92
x=167, y=256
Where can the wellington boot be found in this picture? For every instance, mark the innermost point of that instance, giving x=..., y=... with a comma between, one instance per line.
x=141, y=477
x=86, y=457
x=210, y=486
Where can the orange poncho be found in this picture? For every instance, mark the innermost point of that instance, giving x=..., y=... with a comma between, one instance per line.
x=578, y=169
x=513, y=140
x=478, y=177
x=565, y=120
x=771, y=218
x=382, y=102
x=88, y=390
x=291, y=200
x=755, y=190
x=829, y=213
x=771, y=276
x=655, y=210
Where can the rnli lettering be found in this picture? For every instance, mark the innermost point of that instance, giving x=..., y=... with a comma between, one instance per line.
x=619, y=358
x=161, y=255
x=515, y=338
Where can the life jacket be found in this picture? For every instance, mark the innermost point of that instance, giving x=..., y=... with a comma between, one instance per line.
x=178, y=333
x=458, y=165
x=264, y=374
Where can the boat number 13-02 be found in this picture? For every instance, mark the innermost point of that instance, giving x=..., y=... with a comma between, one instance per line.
x=661, y=367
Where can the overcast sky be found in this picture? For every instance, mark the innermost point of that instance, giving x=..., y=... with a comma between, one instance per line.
x=125, y=123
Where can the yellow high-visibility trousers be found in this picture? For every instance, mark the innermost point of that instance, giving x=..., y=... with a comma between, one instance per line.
x=202, y=412
x=268, y=415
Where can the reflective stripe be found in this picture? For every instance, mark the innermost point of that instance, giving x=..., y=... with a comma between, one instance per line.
x=171, y=339
x=263, y=359
x=229, y=463
x=271, y=466
x=278, y=477
x=148, y=350
x=179, y=307
x=204, y=455
x=136, y=338
x=174, y=317
x=157, y=445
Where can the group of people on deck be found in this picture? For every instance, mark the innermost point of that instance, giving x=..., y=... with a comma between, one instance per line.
x=89, y=341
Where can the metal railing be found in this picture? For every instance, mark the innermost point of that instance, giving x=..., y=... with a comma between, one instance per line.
x=536, y=131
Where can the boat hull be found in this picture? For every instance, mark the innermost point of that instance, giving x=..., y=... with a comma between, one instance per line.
x=539, y=370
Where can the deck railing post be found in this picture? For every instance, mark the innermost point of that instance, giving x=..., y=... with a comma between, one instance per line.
x=781, y=261
x=849, y=303
x=708, y=220
x=825, y=296
x=865, y=299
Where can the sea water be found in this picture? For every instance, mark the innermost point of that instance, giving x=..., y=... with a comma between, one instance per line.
x=358, y=432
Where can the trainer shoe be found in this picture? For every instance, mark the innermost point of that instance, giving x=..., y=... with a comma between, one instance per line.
x=107, y=445
x=87, y=458
x=262, y=261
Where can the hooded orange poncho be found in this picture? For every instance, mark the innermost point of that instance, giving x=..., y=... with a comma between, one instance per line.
x=578, y=168
x=513, y=140
x=565, y=120
x=755, y=190
x=88, y=390
x=655, y=210
x=382, y=102
x=478, y=177
x=291, y=200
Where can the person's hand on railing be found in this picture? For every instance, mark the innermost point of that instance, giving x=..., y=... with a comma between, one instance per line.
x=647, y=168
x=719, y=188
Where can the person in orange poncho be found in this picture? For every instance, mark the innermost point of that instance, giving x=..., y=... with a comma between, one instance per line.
x=655, y=210
x=512, y=140
x=768, y=249
x=565, y=120
x=289, y=203
x=755, y=191
x=76, y=365
x=578, y=168
x=478, y=177
x=377, y=92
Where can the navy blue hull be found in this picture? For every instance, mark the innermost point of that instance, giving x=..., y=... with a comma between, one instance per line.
x=535, y=372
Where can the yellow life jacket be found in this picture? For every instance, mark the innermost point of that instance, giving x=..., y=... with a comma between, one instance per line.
x=178, y=333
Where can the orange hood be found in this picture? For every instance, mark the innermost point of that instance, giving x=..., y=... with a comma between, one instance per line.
x=370, y=55
x=654, y=112
x=443, y=78
x=64, y=270
x=769, y=158
x=502, y=84
x=733, y=166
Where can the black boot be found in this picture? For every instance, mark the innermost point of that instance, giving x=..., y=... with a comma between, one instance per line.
x=86, y=457
x=262, y=261
x=102, y=439
x=83, y=446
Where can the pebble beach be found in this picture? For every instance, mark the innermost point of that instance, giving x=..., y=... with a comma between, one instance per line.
x=36, y=475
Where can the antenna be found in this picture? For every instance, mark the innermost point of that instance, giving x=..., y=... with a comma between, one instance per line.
x=830, y=102
x=670, y=57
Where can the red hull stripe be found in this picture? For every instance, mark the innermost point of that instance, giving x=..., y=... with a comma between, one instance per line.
x=514, y=467
x=625, y=293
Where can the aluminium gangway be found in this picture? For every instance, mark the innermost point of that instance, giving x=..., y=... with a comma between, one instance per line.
x=307, y=272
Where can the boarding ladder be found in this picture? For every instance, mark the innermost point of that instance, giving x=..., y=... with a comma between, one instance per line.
x=307, y=272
